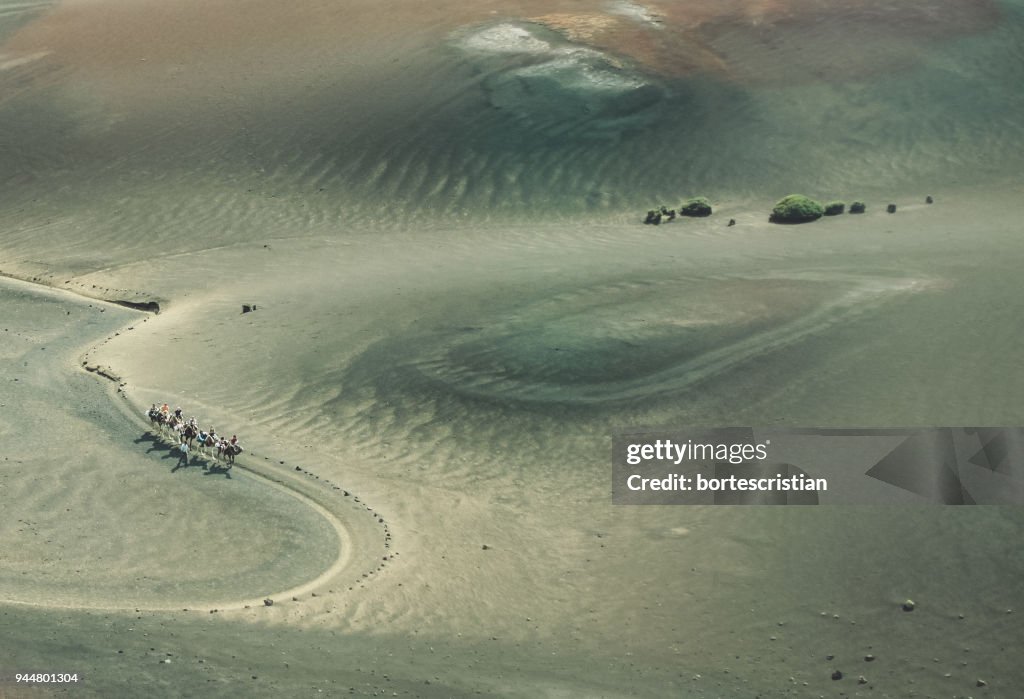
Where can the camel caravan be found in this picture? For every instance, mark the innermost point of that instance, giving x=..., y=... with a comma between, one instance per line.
x=189, y=437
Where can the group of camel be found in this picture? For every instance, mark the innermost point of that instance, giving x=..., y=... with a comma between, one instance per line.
x=187, y=434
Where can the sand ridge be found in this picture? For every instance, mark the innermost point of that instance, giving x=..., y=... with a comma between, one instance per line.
x=445, y=251
x=363, y=540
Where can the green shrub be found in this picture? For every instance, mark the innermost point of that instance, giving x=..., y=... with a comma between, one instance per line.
x=796, y=208
x=698, y=206
x=834, y=208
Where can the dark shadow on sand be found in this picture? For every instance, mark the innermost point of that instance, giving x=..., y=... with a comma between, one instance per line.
x=154, y=442
x=217, y=469
x=193, y=458
x=183, y=462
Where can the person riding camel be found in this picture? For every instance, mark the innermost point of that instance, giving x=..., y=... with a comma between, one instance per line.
x=165, y=409
x=234, y=440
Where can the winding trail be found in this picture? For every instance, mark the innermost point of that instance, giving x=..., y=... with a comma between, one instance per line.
x=364, y=537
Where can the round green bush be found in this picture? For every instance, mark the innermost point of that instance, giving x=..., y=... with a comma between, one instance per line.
x=858, y=207
x=834, y=208
x=796, y=208
x=698, y=206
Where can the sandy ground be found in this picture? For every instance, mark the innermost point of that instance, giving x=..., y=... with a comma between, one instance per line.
x=699, y=601
x=443, y=346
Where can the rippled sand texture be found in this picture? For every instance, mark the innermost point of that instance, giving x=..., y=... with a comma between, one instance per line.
x=316, y=114
x=436, y=209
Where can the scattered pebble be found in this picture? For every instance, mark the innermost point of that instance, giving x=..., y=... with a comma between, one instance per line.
x=837, y=675
x=909, y=605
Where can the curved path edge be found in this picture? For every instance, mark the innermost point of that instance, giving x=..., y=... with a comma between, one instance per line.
x=355, y=547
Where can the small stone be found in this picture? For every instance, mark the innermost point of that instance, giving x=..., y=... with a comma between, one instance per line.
x=862, y=680
x=485, y=547
x=830, y=657
x=909, y=605
x=268, y=602
x=981, y=683
x=928, y=200
x=837, y=675
x=732, y=222
x=869, y=658
x=891, y=208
